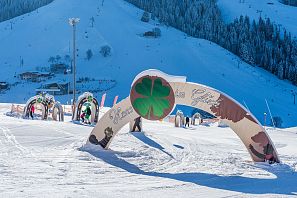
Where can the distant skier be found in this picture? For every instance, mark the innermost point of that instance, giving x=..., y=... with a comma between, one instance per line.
x=88, y=115
x=137, y=124
x=187, y=122
x=32, y=110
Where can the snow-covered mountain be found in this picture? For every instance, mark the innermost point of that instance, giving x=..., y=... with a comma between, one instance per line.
x=12, y=8
x=281, y=14
x=35, y=37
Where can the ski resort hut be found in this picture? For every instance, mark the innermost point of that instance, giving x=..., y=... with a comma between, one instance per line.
x=54, y=88
x=35, y=76
x=3, y=86
x=59, y=68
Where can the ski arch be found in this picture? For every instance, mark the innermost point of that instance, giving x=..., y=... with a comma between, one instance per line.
x=46, y=102
x=84, y=98
x=58, y=112
x=153, y=96
x=179, y=119
x=196, y=116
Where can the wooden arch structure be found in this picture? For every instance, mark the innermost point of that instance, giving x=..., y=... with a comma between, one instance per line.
x=84, y=98
x=153, y=96
x=46, y=102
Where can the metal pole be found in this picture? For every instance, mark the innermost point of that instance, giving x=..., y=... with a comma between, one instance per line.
x=74, y=64
x=265, y=114
x=73, y=22
x=270, y=113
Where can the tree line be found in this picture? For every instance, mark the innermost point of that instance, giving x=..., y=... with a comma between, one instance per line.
x=289, y=2
x=260, y=43
x=13, y=8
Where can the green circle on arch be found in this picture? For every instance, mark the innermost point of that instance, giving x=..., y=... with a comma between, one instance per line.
x=90, y=98
x=152, y=97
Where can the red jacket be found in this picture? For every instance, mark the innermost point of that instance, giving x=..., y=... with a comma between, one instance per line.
x=32, y=109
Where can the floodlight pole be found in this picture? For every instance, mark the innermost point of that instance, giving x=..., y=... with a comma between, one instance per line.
x=74, y=64
x=73, y=22
x=265, y=115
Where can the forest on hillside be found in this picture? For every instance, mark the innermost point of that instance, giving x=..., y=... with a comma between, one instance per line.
x=260, y=43
x=289, y=2
x=13, y=8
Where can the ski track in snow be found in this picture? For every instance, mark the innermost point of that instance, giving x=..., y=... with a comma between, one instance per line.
x=9, y=140
x=205, y=161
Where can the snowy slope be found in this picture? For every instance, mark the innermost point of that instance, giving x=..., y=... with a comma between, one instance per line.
x=46, y=159
x=38, y=36
x=281, y=14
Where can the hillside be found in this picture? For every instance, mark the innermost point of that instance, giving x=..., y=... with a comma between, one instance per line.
x=12, y=8
x=38, y=36
x=281, y=14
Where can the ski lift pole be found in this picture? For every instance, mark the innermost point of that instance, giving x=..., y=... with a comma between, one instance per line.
x=246, y=106
x=265, y=115
x=270, y=114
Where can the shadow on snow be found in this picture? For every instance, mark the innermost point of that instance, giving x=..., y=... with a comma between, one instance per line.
x=285, y=182
x=146, y=140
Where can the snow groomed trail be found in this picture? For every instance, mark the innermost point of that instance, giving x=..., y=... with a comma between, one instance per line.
x=46, y=159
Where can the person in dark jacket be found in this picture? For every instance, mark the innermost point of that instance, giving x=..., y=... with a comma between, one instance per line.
x=187, y=122
x=137, y=124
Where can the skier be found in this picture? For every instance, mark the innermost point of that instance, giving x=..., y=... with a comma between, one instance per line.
x=137, y=124
x=32, y=110
x=88, y=114
x=187, y=122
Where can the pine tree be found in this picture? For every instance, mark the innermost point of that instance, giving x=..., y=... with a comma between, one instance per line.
x=13, y=8
x=89, y=54
x=256, y=42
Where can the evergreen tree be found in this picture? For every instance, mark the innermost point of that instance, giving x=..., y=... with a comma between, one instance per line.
x=13, y=8
x=258, y=43
x=89, y=54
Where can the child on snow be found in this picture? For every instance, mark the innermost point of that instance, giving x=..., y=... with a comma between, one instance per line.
x=82, y=116
x=32, y=110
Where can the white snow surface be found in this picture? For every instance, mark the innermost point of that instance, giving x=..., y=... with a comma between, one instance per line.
x=49, y=159
x=40, y=34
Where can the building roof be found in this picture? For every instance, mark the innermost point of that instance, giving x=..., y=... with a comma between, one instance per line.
x=35, y=74
x=47, y=90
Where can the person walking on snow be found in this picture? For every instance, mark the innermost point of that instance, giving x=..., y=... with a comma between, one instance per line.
x=187, y=122
x=32, y=110
x=82, y=116
x=137, y=124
